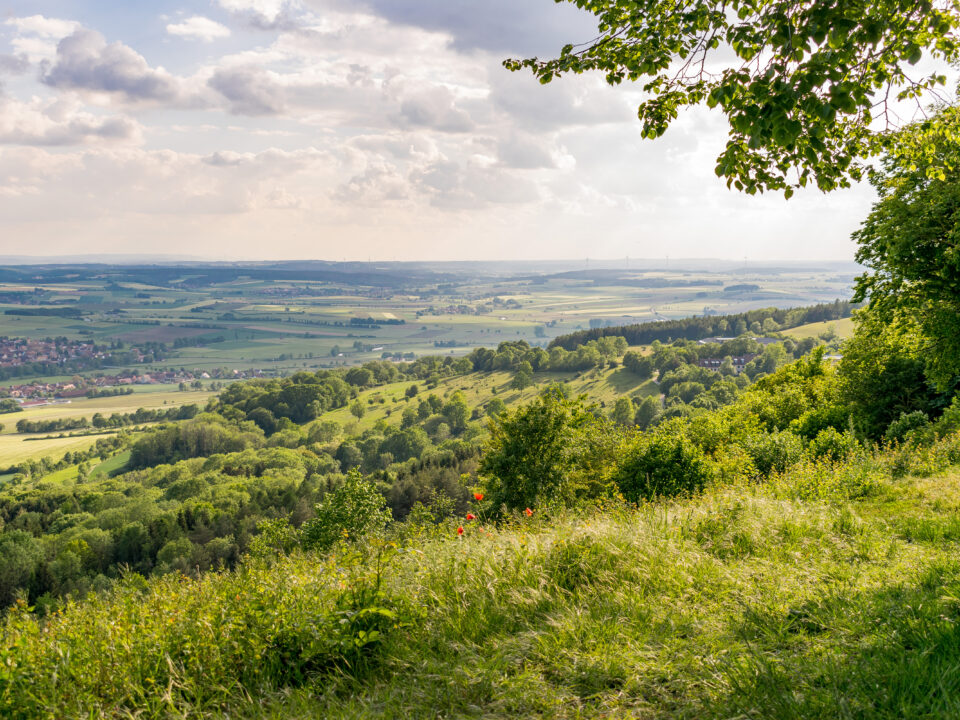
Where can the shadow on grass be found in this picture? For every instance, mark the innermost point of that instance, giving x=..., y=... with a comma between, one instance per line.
x=891, y=653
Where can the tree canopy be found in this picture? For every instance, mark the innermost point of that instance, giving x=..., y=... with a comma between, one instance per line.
x=910, y=240
x=801, y=82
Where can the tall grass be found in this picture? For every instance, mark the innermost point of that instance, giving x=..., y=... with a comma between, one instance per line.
x=746, y=602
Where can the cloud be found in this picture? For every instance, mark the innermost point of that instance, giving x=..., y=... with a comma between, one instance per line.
x=250, y=90
x=86, y=62
x=199, y=28
x=14, y=64
x=37, y=36
x=265, y=14
x=526, y=27
x=434, y=108
x=525, y=152
x=55, y=123
x=45, y=27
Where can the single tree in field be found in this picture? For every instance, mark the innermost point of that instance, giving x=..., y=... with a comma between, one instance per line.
x=801, y=82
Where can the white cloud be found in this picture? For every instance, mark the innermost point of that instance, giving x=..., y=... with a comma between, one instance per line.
x=36, y=36
x=250, y=90
x=86, y=62
x=199, y=28
x=53, y=123
x=44, y=27
x=265, y=14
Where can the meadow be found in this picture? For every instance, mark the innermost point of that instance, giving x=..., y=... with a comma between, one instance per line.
x=747, y=601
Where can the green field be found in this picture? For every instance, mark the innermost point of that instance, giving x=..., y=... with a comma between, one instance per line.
x=842, y=329
x=283, y=326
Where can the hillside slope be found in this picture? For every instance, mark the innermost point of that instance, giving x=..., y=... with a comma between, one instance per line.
x=744, y=602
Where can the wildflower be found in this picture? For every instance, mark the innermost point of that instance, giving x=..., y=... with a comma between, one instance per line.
x=529, y=512
x=471, y=516
x=460, y=530
x=478, y=496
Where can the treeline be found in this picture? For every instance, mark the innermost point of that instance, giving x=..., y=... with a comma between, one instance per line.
x=201, y=341
x=766, y=320
x=517, y=355
x=100, y=421
x=806, y=424
x=64, y=312
x=108, y=392
x=46, y=368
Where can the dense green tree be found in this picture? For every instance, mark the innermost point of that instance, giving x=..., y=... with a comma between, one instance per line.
x=20, y=555
x=647, y=412
x=801, y=82
x=640, y=365
x=352, y=512
x=623, y=411
x=882, y=374
x=911, y=240
x=548, y=452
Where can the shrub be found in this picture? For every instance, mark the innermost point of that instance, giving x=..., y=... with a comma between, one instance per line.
x=901, y=428
x=351, y=512
x=660, y=465
x=774, y=452
x=833, y=445
x=552, y=451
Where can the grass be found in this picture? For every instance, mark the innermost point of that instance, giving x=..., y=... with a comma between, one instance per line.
x=15, y=449
x=741, y=603
x=111, y=465
x=601, y=386
x=843, y=329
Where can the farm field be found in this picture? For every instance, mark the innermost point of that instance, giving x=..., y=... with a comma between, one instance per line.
x=162, y=396
x=15, y=449
x=843, y=329
x=257, y=318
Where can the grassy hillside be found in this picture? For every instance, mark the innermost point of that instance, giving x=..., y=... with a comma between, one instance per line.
x=747, y=601
x=600, y=385
x=842, y=328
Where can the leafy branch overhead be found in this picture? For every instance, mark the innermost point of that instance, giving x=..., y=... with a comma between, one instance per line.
x=809, y=87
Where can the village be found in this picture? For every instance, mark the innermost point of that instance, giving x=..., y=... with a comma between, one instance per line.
x=19, y=351
x=37, y=393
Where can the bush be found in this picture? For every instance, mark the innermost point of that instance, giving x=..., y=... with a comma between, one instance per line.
x=774, y=452
x=351, y=512
x=660, y=465
x=550, y=452
x=833, y=445
x=901, y=428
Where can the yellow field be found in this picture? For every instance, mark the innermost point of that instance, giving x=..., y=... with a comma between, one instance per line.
x=163, y=397
x=15, y=449
x=843, y=329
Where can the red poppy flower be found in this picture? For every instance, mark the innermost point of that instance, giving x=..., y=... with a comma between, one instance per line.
x=471, y=516
x=478, y=496
x=529, y=512
x=460, y=530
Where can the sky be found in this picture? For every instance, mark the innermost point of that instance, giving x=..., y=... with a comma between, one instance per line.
x=357, y=129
